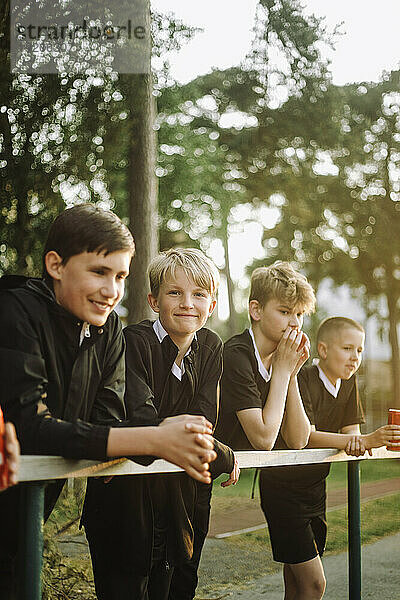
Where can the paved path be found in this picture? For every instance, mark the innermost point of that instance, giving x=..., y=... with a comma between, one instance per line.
x=380, y=575
x=249, y=515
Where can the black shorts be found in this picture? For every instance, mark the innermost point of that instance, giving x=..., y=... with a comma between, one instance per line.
x=296, y=540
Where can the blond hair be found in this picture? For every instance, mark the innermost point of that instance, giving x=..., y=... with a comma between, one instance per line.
x=333, y=325
x=282, y=282
x=194, y=263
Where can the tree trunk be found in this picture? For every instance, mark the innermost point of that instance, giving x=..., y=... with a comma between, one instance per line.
x=142, y=194
x=232, y=320
x=394, y=344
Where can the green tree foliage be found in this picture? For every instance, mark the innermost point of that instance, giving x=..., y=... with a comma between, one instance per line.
x=339, y=201
x=206, y=165
x=69, y=138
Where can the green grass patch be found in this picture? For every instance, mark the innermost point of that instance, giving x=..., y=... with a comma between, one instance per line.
x=379, y=518
x=242, y=558
x=371, y=470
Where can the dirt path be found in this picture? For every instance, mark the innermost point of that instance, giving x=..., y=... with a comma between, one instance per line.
x=249, y=514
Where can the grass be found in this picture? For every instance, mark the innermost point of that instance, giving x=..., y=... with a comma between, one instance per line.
x=371, y=470
x=243, y=558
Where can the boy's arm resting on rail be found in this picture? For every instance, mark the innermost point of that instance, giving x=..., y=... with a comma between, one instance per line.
x=296, y=426
x=225, y=461
x=261, y=425
x=24, y=393
x=387, y=435
x=353, y=442
x=184, y=440
x=327, y=439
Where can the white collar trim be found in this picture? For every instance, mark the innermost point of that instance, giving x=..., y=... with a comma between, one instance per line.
x=261, y=367
x=160, y=332
x=332, y=389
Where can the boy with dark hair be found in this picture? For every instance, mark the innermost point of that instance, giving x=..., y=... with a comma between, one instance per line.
x=62, y=366
x=173, y=366
x=295, y=503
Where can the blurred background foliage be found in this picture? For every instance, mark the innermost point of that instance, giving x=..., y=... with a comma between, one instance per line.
x=271, y=141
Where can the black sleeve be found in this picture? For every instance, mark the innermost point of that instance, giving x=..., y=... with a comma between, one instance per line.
x=305, y=394
x=23, y=393
x=238, y=385
x=139, y=395
x=354, y=413
x=109, y=405
x=224, y=461
x=207, y=395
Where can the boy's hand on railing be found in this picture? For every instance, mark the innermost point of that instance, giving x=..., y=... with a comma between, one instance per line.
x=185, y=440
x=387, y=435
x=234, y=476
x=356, y=446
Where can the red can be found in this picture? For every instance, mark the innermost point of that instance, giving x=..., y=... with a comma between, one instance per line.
x=3, y=463
x=393, y=419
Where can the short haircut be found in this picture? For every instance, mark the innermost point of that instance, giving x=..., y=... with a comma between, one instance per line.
x=282, y=282
x=87, y=228
x=194, y=263
x=333, y=325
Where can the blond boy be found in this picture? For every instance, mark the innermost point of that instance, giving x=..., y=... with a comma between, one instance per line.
x=173, y=366
x=261, y=406
x=259, y=392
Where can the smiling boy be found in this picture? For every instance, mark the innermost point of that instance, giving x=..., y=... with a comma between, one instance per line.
x=62, y=366
x=173, y=366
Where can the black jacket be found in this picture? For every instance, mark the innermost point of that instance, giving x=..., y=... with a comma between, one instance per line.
x=124, y=508
x=51, y=388
x=150, y=385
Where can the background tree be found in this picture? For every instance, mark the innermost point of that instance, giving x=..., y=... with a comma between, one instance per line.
x=338, y=199
x=78, y=138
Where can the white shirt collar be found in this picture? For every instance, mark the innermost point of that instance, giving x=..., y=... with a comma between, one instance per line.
x=261, y=367
x=332, y=389
x=161, y=333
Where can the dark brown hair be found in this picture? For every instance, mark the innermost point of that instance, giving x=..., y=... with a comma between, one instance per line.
x=87, y=228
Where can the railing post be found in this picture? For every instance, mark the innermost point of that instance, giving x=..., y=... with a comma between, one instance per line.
x=354, y=529
x=31, y=542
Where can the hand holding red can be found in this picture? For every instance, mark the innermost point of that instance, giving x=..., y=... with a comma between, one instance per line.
x=393, y=419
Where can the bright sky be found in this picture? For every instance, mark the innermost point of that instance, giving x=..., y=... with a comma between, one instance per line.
x=370, y=42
